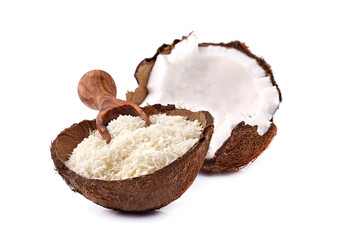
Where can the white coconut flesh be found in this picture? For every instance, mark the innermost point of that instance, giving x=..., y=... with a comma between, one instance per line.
x=224, y=81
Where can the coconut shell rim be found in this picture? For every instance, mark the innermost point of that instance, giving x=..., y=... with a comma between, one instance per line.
x=176, y=161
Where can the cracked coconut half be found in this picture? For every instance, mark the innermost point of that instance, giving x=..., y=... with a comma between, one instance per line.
x=235, y=86
x=141, y=191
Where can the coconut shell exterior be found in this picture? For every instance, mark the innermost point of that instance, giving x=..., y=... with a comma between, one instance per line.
x=140, y=194
x=245, y=144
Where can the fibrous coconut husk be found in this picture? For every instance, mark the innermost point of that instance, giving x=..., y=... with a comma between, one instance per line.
x=142, y=193
x=245, y=144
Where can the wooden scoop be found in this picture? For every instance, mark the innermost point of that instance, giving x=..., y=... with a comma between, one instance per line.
x=97, y=90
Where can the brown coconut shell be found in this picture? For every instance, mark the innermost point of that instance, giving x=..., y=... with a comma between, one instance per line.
x=245, y=144
x=142, y=193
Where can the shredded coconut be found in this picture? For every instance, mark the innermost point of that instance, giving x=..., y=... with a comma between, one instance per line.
x=135, y=149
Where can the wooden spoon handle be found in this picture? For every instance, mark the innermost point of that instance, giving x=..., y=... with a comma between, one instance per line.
x=97, y=87
x=97, y=90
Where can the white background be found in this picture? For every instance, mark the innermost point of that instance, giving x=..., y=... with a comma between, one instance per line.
x=289, y=192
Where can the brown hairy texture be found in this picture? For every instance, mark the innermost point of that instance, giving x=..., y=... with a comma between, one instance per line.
x=245, y=144
x=140, y=194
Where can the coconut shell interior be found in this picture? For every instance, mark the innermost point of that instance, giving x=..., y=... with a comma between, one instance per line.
x=144, y=193
x=245, y=144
